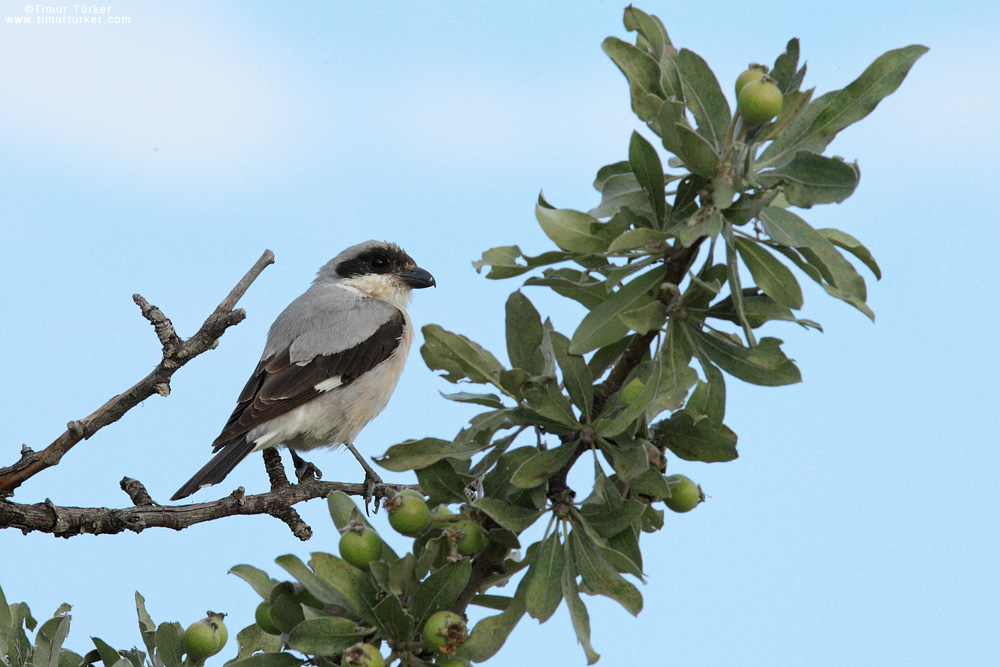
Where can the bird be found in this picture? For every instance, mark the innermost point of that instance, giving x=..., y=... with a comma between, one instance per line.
x=331, y=362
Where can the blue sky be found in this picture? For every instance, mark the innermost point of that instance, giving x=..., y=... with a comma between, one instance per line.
x=859, y=525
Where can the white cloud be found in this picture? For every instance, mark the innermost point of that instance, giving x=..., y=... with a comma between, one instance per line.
x=125, y=91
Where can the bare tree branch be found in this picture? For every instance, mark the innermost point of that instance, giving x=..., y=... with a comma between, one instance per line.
x=176, y=353
x=46, y=517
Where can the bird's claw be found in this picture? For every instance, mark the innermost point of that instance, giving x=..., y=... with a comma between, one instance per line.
x=305, y=470
x=372, y=480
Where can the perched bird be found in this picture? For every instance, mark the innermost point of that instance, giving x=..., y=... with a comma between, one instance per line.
x=331, y=362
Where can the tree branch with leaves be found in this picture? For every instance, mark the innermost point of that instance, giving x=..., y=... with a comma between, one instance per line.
x=680, y=266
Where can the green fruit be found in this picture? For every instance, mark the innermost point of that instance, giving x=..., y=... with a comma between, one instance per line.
x=360, y=547
x=223, y=631
x=263, y=618
x=445, y=632
x=443, y=510
x=473, y=538
x=408, y=513
x=631, y=391
x=362, y=655
x=752, y=74
x=759, y=101
x=201, y=640
x=684, y=494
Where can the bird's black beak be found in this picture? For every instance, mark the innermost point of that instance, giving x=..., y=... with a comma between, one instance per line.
x=418, y=278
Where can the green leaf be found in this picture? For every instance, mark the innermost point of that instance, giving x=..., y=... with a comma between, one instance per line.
x=701, y=440
x=317, y=586
x=851, y=104
x=650, y=28
x=109, y=656
x=459, y=357
x=811, y=178
x=536, y=470
x=578, y=613
x=764, y=365
x=758, y=309
x=600, y=577
x=6, y=618
x=649, y=373
x=642, y=237
x=393, y=619
x=704, y=97
x=544, y=588
x=442, y=483
x=509, y=516
x=709, y=397
x=609, y=171
x=168, y=644
x=504, y=261
x=252, y=639
x=486, y=400
x=577, y=379
x=788, y=229
x=524, y=333
x=439, y=590
x=651, y=483
x=147, y=628
x=853, y=246
x=735, y=288
x=607, y=520
x=785, y=65
x=686, y=199
x=697, y=152
x=648, y=172
x=706, y=224
x=648, y=318
x=273, y=659
x=489, y=634
x=602, y=326
x=49, y=641
x=618, y=192
x=547, y=401
x=416, y=454
x=628, y=458
x=642, y=73
x=573, y=284
x=341, y=509
x=862, y=95
x=324, y=636
x=571, y=230
x=350, y=582
x=772, y=276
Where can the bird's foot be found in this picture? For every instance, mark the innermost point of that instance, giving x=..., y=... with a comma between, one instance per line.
x=304, y=470
x=372, y=480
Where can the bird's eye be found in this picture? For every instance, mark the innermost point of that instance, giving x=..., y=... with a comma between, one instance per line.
x=379, y=262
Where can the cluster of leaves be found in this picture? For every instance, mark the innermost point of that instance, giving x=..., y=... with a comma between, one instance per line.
x=332, y=605
x=626, y=384
x=164, y=643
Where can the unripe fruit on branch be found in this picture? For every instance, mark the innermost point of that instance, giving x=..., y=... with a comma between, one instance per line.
x=684, y=494
x=360, y=545
x=759, y=101
x=445, y=632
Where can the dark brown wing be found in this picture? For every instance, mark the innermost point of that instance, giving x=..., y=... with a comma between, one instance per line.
x=279, y=385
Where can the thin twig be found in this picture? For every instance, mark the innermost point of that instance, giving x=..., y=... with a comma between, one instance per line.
x=175, y=354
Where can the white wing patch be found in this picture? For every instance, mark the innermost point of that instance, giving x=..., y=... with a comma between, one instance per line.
x=329, y=384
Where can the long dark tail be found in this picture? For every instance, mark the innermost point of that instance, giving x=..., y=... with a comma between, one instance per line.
x=216, y=470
